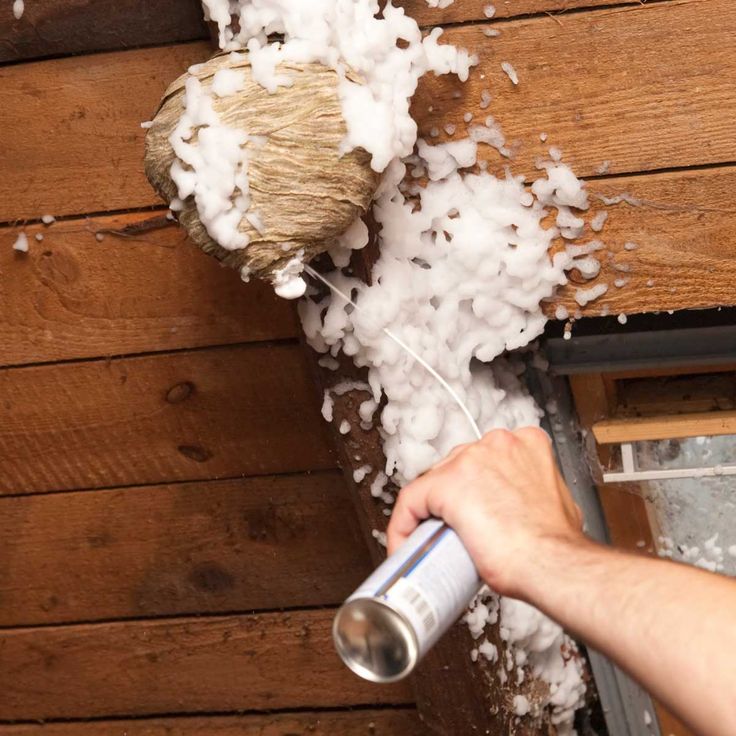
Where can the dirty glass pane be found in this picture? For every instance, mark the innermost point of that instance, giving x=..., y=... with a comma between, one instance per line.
x=694, y=519
x=693, y=452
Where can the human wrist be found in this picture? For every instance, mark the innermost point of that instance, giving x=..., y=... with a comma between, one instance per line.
x=552, y=567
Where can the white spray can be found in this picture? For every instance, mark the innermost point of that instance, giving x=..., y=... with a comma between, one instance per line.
x=390, y=622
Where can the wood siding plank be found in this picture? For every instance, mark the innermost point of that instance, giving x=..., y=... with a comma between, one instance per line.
x=71, y=296
x=209, y=547
x=213, y=413
x=627, y=85
x=600, y=84
x=59, y=27
x=463, y=11
x=62, y=27
x=90, y=108
x=232, y=663
x=389, y=722
x=684, y=231
x=60, y=306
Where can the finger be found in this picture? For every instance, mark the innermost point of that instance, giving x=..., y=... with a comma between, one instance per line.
x=452, y=455
x=410, y=509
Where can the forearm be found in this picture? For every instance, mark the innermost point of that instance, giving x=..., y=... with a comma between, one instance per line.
x=672, y=627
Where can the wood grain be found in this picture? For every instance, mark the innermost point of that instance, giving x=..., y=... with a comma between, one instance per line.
x=629, y=86
x=183, y=416
x=92, y=108
x=665, y=427
x=463, y=11
x=189, y=665
x=386, y=722
x=71, y=296
x=57, y=27
x=685, y=254
x=169, y=295
x=61, y=27
x=600, y=85
x=209, y=547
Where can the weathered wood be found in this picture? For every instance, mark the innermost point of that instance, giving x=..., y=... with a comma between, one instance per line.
x=181, y=416
x=384, y=722
x=638, y=69
x=209, y=547
x=685, y=249
x=463, y=11
x=665, y=427
x=57, y=27
x=71, y=296
x=189, y=665
x=627, y=86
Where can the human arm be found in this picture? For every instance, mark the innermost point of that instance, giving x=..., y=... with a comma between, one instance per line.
x=672, y=627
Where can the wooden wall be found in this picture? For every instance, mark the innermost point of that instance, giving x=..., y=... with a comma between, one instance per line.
x=174, y=532
x=167, y=488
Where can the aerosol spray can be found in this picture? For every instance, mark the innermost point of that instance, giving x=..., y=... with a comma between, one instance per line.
x=392, y=620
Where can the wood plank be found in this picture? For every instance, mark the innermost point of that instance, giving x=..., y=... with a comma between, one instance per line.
x=189, y=665
x=685, y=255
x=57, y=27
x=62, y=27
x=665, y=427
x=220, y=412
x=60, y=305
x=385, y=722
x=71, y=296
x=210, y=547
x=638, y=70
x=462, y=11
x=600, y=84
x=92, y=106
x=658, y=395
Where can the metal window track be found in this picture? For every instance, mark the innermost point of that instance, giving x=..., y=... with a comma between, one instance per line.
x=704, y=346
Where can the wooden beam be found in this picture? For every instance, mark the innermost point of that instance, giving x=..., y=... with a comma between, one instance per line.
x=384, y=722
x=59, y=27
x=684, y=249
x=463, y=11
x=149, y=290
x=209, y=547
x=186, y=665
x=220, y=412
x=607, y=107
x=62, y=27
x=664, y=427
x=599, y=84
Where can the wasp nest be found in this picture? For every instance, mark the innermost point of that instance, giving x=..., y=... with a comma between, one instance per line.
x=302, y=194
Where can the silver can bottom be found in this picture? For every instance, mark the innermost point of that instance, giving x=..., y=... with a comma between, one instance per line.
x=375, y=641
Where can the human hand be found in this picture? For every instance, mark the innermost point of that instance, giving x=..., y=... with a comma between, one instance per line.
x=504, y=497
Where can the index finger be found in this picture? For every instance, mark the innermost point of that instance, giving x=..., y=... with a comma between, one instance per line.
x=410, y=509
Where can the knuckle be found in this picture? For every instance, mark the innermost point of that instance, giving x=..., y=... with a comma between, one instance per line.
x=499, y=437
x=533, y=434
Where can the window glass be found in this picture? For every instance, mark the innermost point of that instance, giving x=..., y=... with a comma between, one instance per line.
x=693, y=519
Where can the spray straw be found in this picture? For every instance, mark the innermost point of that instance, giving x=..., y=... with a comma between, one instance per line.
x=450, y=390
